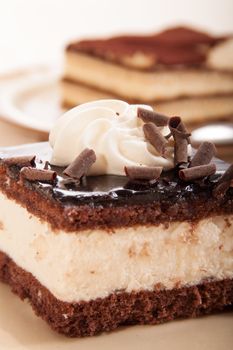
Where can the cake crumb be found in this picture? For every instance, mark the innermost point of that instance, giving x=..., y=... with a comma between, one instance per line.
x=141, y=253
x=190, y=236
x=177, y=282
x=131, y=252
x=145, y=250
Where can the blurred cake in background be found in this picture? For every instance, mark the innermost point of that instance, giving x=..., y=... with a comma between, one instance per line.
x=178, y=71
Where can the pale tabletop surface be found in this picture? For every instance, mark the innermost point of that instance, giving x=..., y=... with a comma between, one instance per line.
x=11, y=135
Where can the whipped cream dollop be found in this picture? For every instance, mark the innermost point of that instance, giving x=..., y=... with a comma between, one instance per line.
x=112, y=129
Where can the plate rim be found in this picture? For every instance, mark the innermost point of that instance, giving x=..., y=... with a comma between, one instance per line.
x=33, y=78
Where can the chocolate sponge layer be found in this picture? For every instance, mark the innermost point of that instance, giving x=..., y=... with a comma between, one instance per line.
x=111, y=202
x=120, y=308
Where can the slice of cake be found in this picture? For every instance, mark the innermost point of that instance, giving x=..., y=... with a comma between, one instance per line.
x=117, y=221
x=179, y=71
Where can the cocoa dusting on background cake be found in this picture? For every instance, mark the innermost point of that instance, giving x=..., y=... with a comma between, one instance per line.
x=174, y=71
x=175, y=46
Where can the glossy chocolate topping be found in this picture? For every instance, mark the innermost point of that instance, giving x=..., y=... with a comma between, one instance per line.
x=111, y=190
x=175, y=46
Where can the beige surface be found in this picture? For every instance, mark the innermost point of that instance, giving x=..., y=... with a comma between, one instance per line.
x=20, y=329
x=11, y=135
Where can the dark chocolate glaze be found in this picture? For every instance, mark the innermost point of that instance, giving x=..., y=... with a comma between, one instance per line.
x=111, y=190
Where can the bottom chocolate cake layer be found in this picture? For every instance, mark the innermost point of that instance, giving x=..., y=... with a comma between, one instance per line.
x=96, y=316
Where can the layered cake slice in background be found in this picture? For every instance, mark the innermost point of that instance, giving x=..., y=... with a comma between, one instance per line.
x=180, y=71
x=117, y=221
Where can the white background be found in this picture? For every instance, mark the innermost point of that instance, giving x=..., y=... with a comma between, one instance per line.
x=37, y=30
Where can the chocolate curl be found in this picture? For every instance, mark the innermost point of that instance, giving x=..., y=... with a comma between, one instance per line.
x=224, y=182
x=21, y=161
x=80, y=166
x=181, y=139
x=197, y=172
x=46, y=165
x=204, y=154
x=41, y=175
x=152, y=117
x=168, y=136
x=142, y=172
x=155, y=138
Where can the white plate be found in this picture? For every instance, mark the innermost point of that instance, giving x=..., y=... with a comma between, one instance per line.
x=31, y=99
x=20, y=329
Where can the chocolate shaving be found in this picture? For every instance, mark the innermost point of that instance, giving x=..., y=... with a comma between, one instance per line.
x=21, y=161
x=152, y=117
x=42, y=175
x=46, y=165
x=197, y=172
x=224, y=182
x=143, y=172
x=155, y=138
x=80, y=166
x=168, y=136
x=181, y=139
x=204, y=154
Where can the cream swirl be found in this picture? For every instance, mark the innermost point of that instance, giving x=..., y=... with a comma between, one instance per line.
x=112, y=129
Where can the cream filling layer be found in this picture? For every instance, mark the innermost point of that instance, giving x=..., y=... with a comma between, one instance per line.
x=145, y=86
x=190, y=109
x=94, y=263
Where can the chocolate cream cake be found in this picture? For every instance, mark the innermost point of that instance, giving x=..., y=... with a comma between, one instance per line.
x=116, y=221
x=180, y=71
